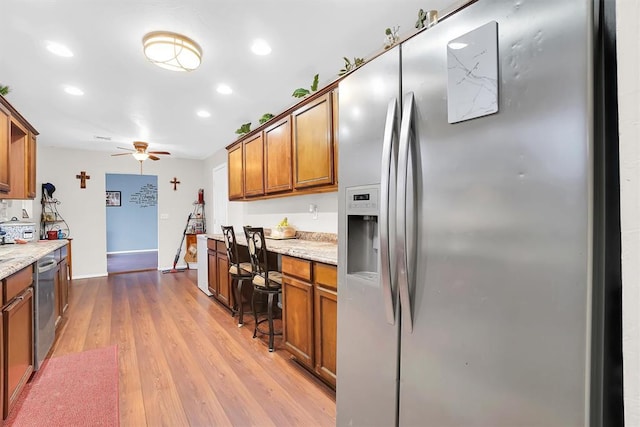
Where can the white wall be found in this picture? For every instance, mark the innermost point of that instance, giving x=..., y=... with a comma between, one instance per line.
x=84, y=209
x=268, y=213
x=628, y=42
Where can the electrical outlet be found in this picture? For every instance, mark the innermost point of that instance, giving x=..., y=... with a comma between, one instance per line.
x=164, y=216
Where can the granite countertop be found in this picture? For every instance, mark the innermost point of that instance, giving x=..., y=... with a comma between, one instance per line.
x=311, y=249
x=15, y=257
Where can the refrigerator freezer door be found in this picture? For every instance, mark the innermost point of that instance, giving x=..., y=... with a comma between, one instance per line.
x=367, y=372
x=502, y=286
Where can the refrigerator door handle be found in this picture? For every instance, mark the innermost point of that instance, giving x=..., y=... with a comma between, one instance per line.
x=390, y=135
x=406, y=134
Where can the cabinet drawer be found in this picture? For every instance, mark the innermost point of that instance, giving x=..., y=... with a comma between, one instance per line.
x=211, y=244
x=16, y=283
x=296, y=267
x=220, y=247
x=327, y=276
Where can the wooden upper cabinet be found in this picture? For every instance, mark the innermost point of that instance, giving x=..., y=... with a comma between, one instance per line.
x=5, y=138
x=277, y=142
x=31, y=166
x=19, y=161
x=313, y=143
x=17, y=154
x=254, y=166
x=236, y=175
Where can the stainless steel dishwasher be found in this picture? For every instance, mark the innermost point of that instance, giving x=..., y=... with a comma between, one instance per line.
x=44, y=310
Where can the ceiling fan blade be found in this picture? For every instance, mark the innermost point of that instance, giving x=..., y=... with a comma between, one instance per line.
x=122, y=154
x=122, y=148
x=152, y=157
x=158, y=152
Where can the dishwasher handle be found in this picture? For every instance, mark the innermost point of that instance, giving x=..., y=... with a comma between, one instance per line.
x=48, y=265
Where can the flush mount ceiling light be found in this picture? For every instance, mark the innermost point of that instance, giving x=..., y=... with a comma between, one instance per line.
x=172, y=51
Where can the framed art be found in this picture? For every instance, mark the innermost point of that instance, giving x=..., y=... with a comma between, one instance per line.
x=113, y=198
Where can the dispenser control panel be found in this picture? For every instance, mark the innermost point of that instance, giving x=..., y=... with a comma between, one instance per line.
x=363, y=200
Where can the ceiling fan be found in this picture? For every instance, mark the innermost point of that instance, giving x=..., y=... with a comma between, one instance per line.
x=140, y=152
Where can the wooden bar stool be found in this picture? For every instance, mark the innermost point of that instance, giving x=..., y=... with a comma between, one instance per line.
x=240, y=272
x=265, y=281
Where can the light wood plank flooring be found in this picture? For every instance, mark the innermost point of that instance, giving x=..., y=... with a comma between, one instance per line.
x=182, y=359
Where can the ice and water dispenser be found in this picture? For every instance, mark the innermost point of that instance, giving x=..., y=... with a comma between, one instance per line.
x=363, y=246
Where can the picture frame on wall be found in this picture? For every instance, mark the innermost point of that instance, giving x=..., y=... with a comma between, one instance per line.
x=113, y=198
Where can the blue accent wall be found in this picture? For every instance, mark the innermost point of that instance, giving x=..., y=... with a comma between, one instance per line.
x=133, y=225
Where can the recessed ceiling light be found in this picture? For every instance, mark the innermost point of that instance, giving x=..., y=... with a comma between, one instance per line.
x=72, y=90
x=260, y=47
x=203, y=114
x=59, y=49
x=224, y=89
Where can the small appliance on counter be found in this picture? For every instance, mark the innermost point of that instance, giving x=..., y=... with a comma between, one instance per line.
x=18, y=230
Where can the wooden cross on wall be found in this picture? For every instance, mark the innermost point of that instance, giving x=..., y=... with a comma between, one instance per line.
x=175, y=183
x=83, y=177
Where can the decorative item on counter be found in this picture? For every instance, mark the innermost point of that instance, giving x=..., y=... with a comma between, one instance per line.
x=244, y=129
x=83, y=177
x=265, y=118
x=283, y=230
x=4, y=90
x=349, y=66
x=175, y=183
x=391, y=36
x=302, y=92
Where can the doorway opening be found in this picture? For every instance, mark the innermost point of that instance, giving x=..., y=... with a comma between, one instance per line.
x=132, y=222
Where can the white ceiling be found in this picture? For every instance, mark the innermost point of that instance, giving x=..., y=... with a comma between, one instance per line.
x=127, y=98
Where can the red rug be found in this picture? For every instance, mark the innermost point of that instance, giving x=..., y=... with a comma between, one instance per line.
x=79, y=389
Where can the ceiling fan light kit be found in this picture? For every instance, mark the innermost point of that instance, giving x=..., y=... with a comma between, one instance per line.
x=172, y=51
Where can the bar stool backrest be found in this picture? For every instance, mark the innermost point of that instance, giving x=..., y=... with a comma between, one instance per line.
x=257, y=252
x=230, y=244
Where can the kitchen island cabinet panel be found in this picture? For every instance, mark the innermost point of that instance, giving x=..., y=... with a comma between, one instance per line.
x=219, y=278
x=326, y=330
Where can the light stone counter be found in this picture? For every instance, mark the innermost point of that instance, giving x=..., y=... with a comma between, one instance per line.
x=313, y=250
x=15, y=257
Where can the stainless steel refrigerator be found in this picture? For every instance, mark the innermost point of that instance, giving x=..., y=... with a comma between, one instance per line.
x=466, y=223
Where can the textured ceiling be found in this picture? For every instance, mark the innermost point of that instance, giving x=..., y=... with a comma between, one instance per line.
x=127, y=98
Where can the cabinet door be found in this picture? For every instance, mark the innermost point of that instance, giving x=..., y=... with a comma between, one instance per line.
x=18, y=344
x=277, y=142
x=297, y=302
x=5, y=144
x=313, y=143
x=254, y=166
x=31, y=166
x=236, y=177
x=213, y=272
x=19, y=137
x=57, y=291
x=224, y=282
x=326, y=329
x=63, y=278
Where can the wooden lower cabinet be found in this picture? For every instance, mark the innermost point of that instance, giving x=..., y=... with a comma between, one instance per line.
x=297, y=297
x=310, y=303
x=224, y=281
x=17, y=336
x=219, y=280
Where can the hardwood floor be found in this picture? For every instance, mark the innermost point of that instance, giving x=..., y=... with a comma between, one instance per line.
x=182, y=359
